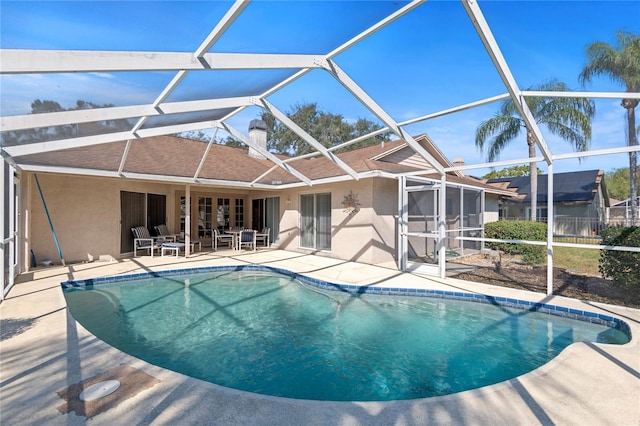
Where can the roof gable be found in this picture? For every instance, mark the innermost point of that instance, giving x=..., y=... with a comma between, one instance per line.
x=403, y=154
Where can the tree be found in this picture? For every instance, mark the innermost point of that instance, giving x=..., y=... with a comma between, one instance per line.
x=510, y=172
x=621, y=64
x=569, y=118
x=618, y=183
x=327, y=128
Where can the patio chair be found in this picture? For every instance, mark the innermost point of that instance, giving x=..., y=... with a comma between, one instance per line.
x=142, y=240
x=164, y=234
x=217, y=237
x=263, y=236
x=247, y=238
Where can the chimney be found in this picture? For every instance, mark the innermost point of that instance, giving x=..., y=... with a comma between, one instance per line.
x=258, y=136
x=459, y=162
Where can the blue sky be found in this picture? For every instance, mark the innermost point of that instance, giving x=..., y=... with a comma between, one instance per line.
x=429, y=60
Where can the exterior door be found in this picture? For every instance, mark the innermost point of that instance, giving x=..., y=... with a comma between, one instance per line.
x=132, y=213
x=156, y=211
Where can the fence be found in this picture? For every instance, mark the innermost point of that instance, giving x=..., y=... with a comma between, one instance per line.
x=564, y=226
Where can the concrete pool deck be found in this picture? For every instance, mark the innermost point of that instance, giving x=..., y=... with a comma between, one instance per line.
x=45, y=352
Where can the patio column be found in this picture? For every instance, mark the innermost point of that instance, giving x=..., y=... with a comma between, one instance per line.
x=550, y=226
x=442, y=228
x=3, y=208
x=402, y=223
x=187, y=221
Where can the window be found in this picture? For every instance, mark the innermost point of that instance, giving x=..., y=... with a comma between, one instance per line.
x=315, y=221
x=239, y=216
x=222, y=218
x=541, y=214
x=205, y=216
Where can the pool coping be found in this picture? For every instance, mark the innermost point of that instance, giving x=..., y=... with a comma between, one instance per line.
x=539, y=307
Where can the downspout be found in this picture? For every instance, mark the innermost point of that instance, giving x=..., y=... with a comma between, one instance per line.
x=46, y=210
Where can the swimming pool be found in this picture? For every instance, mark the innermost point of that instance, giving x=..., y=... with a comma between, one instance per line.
x=273, y=332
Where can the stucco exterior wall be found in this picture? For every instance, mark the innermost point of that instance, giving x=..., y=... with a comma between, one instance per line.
x=85, y=212
x=86, y=216
x=367, y=235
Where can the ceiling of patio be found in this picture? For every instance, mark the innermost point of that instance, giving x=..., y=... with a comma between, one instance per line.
x=217, y=65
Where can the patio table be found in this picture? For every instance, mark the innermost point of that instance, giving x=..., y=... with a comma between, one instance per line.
x=235, y=233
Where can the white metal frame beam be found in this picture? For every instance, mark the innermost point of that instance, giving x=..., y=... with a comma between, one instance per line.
x=353, y=41
x=492, y=48
x=247, y=141
x=368, y=102
x=32, y=121
x=57, y=145
x=306, y=137
x=33, y=61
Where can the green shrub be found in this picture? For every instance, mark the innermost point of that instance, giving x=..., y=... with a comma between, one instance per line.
x=518, y=230
x=623, y=267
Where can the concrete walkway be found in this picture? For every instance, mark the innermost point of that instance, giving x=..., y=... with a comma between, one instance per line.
x=46, y=354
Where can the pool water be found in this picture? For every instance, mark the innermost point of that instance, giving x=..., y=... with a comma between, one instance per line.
x=269, y=333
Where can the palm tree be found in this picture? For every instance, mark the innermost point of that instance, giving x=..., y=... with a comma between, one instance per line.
x=569, y=118
x=621, y=64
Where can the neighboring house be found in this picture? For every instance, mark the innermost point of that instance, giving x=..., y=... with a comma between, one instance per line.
x=580, y=201
x=94, y=197
x=620, y=212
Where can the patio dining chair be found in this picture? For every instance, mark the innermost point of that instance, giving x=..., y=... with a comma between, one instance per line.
x=263, y=236
x=247, y=238
x=142, y=240
x=217, y=237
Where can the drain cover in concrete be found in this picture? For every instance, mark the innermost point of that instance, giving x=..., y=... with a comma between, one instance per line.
x=99, y=390
x=104, y=391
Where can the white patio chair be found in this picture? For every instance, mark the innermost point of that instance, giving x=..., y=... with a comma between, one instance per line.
x=142, y=240
x=263, y=236
x=247, y=238
x=217, y=237
x=164, y=234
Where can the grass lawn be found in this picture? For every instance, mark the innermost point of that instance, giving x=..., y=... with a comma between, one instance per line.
x=583, y=260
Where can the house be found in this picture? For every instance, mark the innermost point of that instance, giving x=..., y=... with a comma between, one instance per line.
x=580, y=200
x=96, y=194
x=620, y=212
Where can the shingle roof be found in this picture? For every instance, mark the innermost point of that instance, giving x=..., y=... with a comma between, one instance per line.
x=180, y=157
x=570, y=187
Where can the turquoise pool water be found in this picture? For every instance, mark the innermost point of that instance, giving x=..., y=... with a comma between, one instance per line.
x=268, y=333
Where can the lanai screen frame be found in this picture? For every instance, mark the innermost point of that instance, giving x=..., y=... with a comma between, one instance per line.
x=16, y=61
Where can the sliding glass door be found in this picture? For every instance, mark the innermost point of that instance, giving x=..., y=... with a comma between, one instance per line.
x=139, y=209
x=315, y=221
